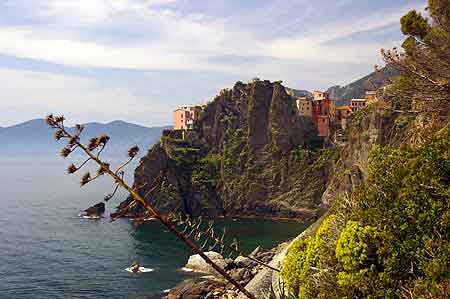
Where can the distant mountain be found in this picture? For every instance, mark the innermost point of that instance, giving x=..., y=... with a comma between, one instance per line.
x=34, y=137
x=302, y=93
x=358, y=88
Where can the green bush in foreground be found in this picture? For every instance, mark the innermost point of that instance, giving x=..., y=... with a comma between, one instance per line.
x=392, y=241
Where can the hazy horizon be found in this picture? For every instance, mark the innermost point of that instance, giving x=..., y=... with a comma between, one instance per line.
x=72, y=123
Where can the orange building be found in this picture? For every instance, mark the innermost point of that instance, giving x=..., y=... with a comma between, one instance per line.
x=184, y=117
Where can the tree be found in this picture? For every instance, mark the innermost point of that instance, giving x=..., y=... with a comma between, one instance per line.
x=424, y=61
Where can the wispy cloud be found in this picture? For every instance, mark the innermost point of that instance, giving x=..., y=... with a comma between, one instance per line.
x=308, y=44
x=177, y=41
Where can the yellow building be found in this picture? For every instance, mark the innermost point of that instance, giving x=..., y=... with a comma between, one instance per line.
x=304, y=106
x=370, y=96
x=357, y=104
x=320, y=95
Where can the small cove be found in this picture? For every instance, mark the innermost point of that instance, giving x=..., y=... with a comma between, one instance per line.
x=48, y=252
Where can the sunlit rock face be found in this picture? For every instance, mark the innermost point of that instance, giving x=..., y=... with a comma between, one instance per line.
x=250, y=154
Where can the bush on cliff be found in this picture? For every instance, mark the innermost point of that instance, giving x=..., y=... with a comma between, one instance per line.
x=395, y=239
x=391, y=236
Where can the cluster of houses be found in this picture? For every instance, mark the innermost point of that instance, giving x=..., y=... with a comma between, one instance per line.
x=321, y=109
x=326, y=116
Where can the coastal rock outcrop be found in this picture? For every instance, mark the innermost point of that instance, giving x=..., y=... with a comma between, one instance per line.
x=250, y=154
x=214, y=287
x=197, y=264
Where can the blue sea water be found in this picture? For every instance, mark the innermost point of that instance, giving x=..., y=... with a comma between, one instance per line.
x=46, y=251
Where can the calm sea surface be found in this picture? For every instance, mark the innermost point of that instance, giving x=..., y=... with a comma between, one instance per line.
x=46, y=251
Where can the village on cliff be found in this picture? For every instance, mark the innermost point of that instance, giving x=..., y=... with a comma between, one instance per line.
x=330, y=120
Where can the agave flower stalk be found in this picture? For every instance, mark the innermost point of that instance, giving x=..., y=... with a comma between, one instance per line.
x=57, y=123
x=195, y=227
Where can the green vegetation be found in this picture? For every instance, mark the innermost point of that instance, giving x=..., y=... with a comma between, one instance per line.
x=206, y=170
x=174, y=141
x=390, y=238
x=233, y=148
x=365, y=136
x=424, y=64
x=185, y=156
x=306, y=259
x=363, y=113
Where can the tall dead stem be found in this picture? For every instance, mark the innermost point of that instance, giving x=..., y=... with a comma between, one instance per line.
x=57, y=123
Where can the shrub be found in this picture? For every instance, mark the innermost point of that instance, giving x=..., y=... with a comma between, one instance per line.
x=309, y=259
x=356, y=252
x=394, y=239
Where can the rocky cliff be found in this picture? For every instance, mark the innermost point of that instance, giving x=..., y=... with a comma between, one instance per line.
x=250, y=154
x=372, y=126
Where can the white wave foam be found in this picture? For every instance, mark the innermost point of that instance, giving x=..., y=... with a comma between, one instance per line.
x=185, y=269
x=141, y=270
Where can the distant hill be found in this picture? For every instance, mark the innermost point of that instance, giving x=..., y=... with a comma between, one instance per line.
x=34, y=137
x=358, y=88
x=302, y=93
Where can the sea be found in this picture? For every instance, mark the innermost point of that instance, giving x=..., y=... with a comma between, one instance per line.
x=47, y=251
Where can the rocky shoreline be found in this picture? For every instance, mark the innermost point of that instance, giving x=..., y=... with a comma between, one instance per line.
x=211, y=285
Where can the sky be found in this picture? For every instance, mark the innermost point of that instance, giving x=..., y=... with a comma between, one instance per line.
x=137, y=60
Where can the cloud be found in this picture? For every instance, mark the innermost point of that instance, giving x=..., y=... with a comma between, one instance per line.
x=179, y=51
x=90, y=12
x=323, y=43
x=30, y=94
x=171, y=40
x=28, y=43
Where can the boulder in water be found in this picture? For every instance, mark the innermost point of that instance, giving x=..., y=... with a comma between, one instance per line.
x=95, y=211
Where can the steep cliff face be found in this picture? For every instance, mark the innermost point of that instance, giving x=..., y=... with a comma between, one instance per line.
x=401, y=200
x=372, y=126
x=250, y=154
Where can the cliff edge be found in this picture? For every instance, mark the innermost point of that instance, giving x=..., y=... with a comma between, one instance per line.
x=249, y=154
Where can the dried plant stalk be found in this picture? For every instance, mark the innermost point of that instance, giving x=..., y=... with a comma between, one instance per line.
x=99, y=143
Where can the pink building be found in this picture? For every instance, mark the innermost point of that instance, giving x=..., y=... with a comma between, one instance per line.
x=184, y=117
x=323, y=125
x=324, y=113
